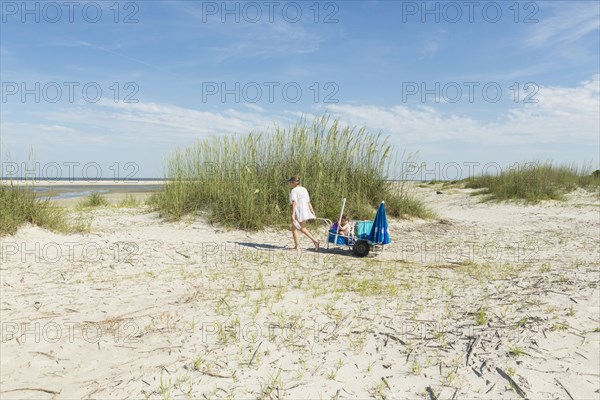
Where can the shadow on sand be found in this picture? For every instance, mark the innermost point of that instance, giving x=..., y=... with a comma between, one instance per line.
x=270, y=247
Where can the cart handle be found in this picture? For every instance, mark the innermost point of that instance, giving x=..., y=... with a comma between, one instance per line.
x=337, y=232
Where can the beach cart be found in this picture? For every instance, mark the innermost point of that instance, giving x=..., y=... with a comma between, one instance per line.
x=365, y=236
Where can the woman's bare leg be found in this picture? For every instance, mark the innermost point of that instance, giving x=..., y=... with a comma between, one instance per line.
x=295, y=236
x=309, y=235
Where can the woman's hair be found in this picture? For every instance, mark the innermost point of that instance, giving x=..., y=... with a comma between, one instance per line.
x=296, y=178
x=345, y=216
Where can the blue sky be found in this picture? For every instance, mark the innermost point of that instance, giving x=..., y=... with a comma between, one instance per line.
x=366, y=63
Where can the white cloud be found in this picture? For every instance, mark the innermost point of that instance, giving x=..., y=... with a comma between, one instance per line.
x=144, y=123
x=432, y=44
x=571, y=21
x=562, y=115
x=254, y=107
x=265, y=38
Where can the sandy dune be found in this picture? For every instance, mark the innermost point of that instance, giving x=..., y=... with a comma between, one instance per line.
x=494, y=301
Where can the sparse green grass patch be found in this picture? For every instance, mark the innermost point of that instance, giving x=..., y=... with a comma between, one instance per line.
x=516, y=351
x=415, y=368
x=367, y=286
x=129, y=202
x=560, y=326
x=481, y=317
x=95, y=199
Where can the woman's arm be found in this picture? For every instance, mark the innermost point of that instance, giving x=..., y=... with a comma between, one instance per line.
x=293, y=210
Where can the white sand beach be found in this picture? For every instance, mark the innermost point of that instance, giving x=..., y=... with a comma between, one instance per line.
x=488, y=301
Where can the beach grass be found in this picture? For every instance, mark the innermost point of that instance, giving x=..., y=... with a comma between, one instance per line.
x=403, y=204
x=129, y=202
x=20, y=205
x=535, y=181
x=240, y=180
x=95, y=199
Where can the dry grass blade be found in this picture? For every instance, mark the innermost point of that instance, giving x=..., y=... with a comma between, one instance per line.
x=472, y=346
x=254, y=354
x=564, y=388
x=512, y=382
x=33, y=390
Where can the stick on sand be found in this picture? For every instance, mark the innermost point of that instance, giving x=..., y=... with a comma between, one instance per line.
x=512, y=382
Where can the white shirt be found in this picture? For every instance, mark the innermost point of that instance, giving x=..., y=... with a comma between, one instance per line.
x=299, y=194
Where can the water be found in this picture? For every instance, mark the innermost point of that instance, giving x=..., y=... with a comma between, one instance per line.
x=59, y=192
x=69, y=195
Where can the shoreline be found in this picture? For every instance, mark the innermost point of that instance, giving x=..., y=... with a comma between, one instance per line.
x=81, y=182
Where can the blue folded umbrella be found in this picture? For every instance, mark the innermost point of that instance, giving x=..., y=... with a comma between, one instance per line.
x=379, y=232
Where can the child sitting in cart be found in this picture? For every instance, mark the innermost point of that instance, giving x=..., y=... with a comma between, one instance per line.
x=345, y=226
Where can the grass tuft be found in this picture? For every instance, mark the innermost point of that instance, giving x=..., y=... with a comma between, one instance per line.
x=94, y=200
x=129, y=202
x=20, y=204
x=481, y=317
x=534, y=182
x=516, y=351
x=403, y=204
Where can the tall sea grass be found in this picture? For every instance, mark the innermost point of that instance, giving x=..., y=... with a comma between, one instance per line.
x=240, y=180
x=535, y=181
x=20, y=204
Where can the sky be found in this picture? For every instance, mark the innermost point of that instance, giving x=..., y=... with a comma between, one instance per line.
x=109, y=89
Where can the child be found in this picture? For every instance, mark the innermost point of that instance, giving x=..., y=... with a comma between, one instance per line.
x=345, y=226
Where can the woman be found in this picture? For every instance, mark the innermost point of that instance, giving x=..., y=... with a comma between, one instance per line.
x=302, y=210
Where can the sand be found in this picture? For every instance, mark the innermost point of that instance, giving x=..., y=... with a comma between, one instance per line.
x=489, y=300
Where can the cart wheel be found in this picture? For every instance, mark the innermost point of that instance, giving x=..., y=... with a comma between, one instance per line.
x=361, y=248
